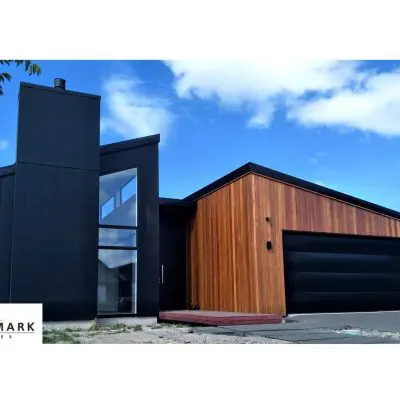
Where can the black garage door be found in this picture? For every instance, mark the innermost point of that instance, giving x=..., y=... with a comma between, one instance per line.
x=334, y=273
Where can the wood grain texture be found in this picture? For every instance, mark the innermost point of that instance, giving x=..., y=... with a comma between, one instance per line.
x=221, y=250
x=296, y=209
x=230, y=267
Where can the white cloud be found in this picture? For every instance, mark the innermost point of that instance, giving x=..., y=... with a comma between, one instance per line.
x=257, y=86
x=131, y=113
x=374, y=108
x=4, y=144
x=314, y=93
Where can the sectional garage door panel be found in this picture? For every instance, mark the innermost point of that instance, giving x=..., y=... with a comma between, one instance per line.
x=327, y=302
x=337, y=282
x=341, y=244
x=330, y=273
x=341, y=263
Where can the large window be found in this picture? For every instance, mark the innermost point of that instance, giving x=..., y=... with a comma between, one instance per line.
x=117, y=290
x=118, y=198
x=118, y=226
x=117, y=237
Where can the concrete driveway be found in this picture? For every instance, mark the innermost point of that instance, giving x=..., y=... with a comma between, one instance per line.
x=382, y=321
x=346, y=328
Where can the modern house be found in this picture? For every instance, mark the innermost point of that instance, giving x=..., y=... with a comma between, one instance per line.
x=84, y=231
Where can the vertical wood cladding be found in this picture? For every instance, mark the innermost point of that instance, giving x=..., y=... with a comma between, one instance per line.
x=230, y=266
x=221, y=248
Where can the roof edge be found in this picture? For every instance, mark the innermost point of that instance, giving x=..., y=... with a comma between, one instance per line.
x=291, y=180
x=129, y=144
x=323, y=190
x=7, y=170
x=52, y=89
x=237, y=173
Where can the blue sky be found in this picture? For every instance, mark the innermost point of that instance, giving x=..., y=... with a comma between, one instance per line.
x=332, y=123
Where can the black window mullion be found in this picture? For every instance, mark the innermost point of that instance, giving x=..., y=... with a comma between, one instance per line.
x=118, y=247
x=125, y=227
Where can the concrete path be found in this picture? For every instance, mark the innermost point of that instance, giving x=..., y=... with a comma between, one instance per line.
x=346, y=328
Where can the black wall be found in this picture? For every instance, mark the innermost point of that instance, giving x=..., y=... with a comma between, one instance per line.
x=54, y=250
x=6, y=221
x=141, y=154
x=173, y=232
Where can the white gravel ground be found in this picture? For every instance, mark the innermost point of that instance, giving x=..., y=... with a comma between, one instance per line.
x=151, y=334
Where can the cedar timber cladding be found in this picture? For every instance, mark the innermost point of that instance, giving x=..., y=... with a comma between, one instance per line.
x=221, y=249
x=230, y=266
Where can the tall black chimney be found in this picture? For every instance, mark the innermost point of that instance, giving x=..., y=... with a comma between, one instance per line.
x=56, y=202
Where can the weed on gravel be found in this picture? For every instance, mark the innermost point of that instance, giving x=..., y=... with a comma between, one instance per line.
x=78, y=335
x=72, y=335
x=60, y=336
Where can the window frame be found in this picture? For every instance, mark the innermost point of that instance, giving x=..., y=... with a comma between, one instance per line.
x=135, y=228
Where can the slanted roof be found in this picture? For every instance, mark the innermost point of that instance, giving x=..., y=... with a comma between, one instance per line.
x=8, y=170
x=129, y=144
x=291, y=180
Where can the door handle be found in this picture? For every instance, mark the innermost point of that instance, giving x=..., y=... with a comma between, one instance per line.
x=162, y=274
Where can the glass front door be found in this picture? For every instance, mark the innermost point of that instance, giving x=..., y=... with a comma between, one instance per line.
x=117, y=254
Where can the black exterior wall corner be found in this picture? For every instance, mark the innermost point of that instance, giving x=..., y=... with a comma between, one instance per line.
x=55, y=227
